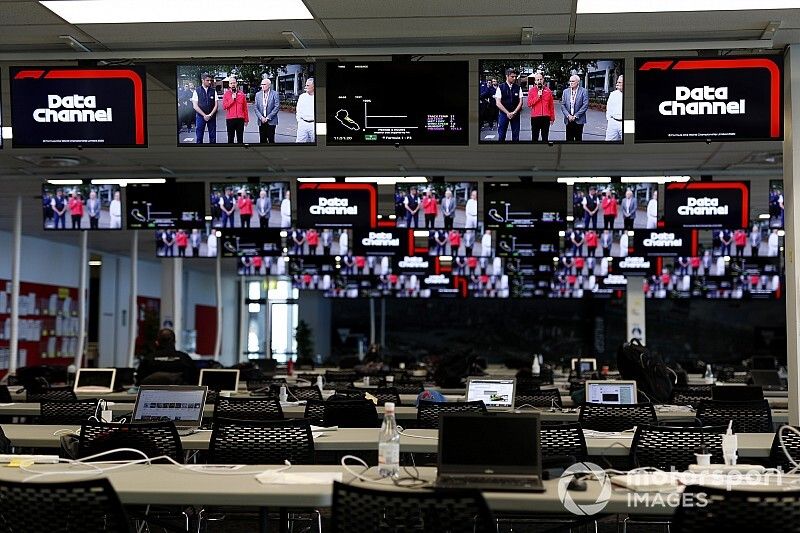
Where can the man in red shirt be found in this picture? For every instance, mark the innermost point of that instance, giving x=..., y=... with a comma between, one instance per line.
x=740, y=240
x=430, y=207
x=245, y=205
x=609, y=205
x=75, y=205
x=312, y=238
x=455, y=241
x=591, y=242
x=234, y=102
x=182, y=242
x=543, y=111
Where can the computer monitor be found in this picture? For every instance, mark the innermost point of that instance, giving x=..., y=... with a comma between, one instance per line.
x=495, y=393
x=95, y=380
x=737, y=393
x=181, y=404
x=583, y=364
x=767, y=379
x=218, y=379
x=611, y=392
x=764, y=363
x=125, y=377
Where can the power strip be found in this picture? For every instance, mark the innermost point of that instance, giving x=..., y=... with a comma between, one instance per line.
x=41, y=459
x=724, y=469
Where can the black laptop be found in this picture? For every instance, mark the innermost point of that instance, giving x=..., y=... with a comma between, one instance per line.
x=767, y=379
x=493, y=452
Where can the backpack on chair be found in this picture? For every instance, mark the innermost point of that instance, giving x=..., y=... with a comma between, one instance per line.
x=652, y=376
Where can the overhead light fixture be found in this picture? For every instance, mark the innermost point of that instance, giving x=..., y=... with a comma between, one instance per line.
x=293, y=39
x=208, y=218
x=527, y=36
x=420, y=233
x=74, y=43
x=7, y=134
x=65, y=182
x=655, y=179
x=118, y=12
x=124, y=182
x=764, y=216
x=666, y=6
x=781, y=233
x=585, y=179
x=316, y=180
x=95, y=263
x=388, y=180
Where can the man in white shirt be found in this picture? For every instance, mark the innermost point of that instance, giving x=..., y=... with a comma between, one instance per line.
x=286, y=210
x=614, y=113
x=305, y=114
x=472, y=211
x=115, y=212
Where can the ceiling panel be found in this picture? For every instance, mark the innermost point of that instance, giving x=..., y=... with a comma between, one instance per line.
x=350, y=9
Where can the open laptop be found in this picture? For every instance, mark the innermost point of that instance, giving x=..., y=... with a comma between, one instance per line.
x=181, y=404
x=617, y=392
x=581, y=365
x=125, y=378
x=767, y=379
x=737, y=393
x=218, y=379
x=513, y=462
x=99, y=380
x=497, y=394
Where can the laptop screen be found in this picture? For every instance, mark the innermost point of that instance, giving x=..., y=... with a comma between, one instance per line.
x=583, y=365
x=505, y=443
x=495, y=393
x=95, y=379
x=611, y=392
x=220, y=380
x=182, y=405
x=766, y=378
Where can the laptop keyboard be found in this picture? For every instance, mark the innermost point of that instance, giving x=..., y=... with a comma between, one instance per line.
x=489, y=480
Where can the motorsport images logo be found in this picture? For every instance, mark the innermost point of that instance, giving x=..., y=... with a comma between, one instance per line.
x=584, y=509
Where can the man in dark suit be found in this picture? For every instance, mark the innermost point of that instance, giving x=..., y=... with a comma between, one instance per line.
x=267, y=104
x=628, y=210
x=448, y=207
x=509, y=103
x=574, y=105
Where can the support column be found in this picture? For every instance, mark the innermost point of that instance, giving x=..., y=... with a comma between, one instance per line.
x=13, y=359
x=84, y=270
x=635, y=310
x=372, y=320
x=791, y=192
x=133, y=306
x=218, y=339
x=172, y=298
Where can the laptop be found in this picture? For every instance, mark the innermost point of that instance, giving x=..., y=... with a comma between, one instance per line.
x=616, y=392
x=218, y=379
x=512, y=462
x=497, y=394
x=99, y=380
x=581, y=365
x=125, y=378
x=737, y=393
x=181, y=404
x=767, y=379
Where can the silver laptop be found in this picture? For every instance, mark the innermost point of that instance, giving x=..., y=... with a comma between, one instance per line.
x=181, y=404
x=510, y=461
x=617, y=392
x=218, y=379
x=497, y=394
x=95, y=380
x=581, y=365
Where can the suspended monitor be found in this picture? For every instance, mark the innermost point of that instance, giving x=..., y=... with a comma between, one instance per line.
x=84, y=107
x=776, y=204
x=186, y=242
x=166, y=205
x=437, y=205
x=707, y=204
x=81, y=207
x=246, y=103
x=520, y=204
x=370, y=104
x=250, y=205
x=547, y=101
x=616, y=206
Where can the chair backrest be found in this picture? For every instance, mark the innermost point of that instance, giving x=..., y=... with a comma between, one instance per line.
x=563, y=439
x=408, y=388
x=61, y=507
x=154, y=439
x=53, y=393
x=538, y=398
x=315, y=411
x=428, y=412
x=362, y=510
x=266, y=408
x=777, y=457
x=748, y=417
x=5, y=444
x=350, y=414
x=261, y=442
x=606, y=417
x=5, y=395
x=340, y=376
x=305, y=393
x=263, y=383
x=67, y=411
x=664, y=447
x=386, y=394
x=690, y=394
x=737, y=510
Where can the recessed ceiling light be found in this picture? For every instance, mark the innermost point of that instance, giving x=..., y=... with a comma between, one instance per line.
x=65, y=182
x=660, y=6
x=387, y=180
x=120, y=12
x=655, y=179
x=585, y=179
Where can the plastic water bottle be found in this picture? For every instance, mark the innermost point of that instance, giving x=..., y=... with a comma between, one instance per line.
x=709, y=376
x=388, y=444
x=536, y=367
x=283, y=396
x=320, y=385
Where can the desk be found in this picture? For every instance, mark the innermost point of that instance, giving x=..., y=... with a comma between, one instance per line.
x=754, y=445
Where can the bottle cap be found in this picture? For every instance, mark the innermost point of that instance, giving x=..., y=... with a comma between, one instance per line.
x=388, y=407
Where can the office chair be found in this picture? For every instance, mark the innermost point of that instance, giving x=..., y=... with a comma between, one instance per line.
x=607, y=417
x=748, y=417
x=154, y=439
x=665, y=447
x=539, y=398
x=428, y=412
x=67, y=412
x=267, y=408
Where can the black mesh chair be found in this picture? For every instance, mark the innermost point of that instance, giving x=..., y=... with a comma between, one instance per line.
x=5, y=444
x=5, y=395
x=561, y=440
x=261, y=442
x=267, y=408
x=607, y=417
x=350, y=414
x=362, y=510
x=154, y=439
x=67, y=412
x=665, y=447
x=737, y=510
x=62, y=507
x=777, y=458
x=305, y=393
x=428, y=412
x=314, y=411
x=51, y=394
x=538, y=398
x=690, y=394
x=340, y=376
x=408, y=388
x=386, y=394
x=311, y=378
x=351, y=393
x=748, y=417
x=264, y=384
